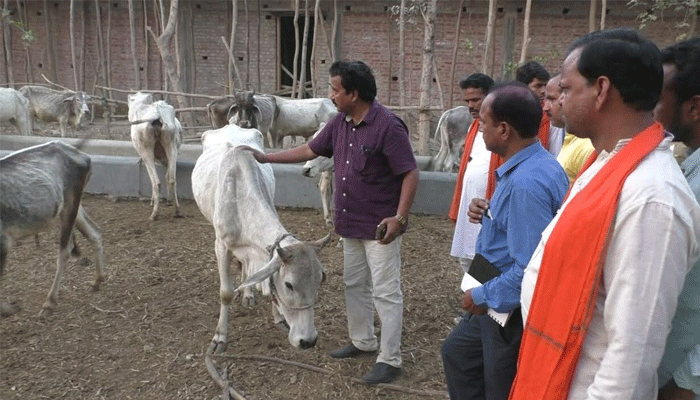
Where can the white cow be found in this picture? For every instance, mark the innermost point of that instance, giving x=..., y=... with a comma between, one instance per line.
x=156, y=135
x=64, y=106
x=42, y=186
x=323, y=168
x=235, y=193
x=14, y=108
x=276, y=117
x=452, y=128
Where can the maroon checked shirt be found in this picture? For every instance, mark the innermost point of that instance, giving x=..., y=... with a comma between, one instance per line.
x=370, y=161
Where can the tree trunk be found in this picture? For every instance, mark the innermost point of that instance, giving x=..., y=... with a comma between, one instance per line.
x=603, y=13
x=71, y=23
x=108, y=48
x=402, y=54
x=334, y=34
x=247, y=45
x=296, y=48
x=426, y=75
x=81, y=55
x=490, y=27
x=304, y=48
x=25, y=22
x=259, y=28
x=312, y=67
x=591, y=15
x=693, y=17
x=390, y=50
x=7, y=46
x=526, y=32
x=101, y=59
x=233, y=74
x=50, y=45
x=453, y=66
x=170, y=61
x=132, y=38
x=146, y=47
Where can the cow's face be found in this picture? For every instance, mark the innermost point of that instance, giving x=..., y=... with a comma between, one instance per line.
x=246, y=110
x=296, y=275
x=77, y=105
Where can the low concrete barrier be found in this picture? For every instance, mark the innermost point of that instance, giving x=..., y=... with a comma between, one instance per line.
x=117, y=171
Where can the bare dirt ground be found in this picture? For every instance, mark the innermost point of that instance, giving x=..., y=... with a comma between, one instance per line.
x=143, y=335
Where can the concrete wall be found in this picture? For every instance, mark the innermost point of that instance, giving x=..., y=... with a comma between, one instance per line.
x=117, y=171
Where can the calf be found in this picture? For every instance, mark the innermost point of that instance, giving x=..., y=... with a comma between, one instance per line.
x=42, y=186
x=452, y=128
x=14, y=108
x=156, y=135
x=245, y=109
x=235, y=193
x=64, y=106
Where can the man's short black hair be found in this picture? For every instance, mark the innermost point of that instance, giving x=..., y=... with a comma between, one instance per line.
x=527, y=72
x=685, y=56
x=477, y=80
x=630, y=61
x=355, y=75
x=517, y=105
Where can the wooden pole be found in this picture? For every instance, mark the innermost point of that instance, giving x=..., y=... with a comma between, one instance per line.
x=591, y=15
x=453, y=65
x=490, y=27
x=132, y=39
x=426, y=75
x=526, y=32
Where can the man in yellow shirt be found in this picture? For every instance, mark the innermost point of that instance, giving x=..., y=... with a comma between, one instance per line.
x=575, y=151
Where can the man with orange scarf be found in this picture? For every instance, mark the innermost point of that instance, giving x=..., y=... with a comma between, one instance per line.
x=600, y=290
x=474, y=167
x=480, y=354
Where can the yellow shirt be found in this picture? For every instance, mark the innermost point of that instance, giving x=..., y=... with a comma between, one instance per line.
x=574, y=152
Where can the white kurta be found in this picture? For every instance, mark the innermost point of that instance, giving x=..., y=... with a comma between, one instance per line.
x=474, y=185
x=654, y=244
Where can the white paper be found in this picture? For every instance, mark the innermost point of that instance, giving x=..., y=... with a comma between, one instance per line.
x=469, y=282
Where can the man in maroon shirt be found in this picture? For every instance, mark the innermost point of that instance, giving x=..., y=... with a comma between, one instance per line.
x=375, y=180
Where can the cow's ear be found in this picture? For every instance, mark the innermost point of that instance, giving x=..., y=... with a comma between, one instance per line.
x=267, y=271
x=285, y=254
x=318, y=245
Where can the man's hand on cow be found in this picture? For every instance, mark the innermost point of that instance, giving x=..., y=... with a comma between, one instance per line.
x=468, y=304
x=393, y=230
x=477, y=209
x=259, y=155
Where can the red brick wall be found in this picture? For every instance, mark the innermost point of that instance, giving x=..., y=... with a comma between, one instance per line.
x=368, y=33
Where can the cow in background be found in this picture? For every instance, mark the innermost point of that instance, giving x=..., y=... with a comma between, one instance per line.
x=48, y=105
x=156, y=135
x=235, y=193
x=323, y=168
x=452, y=128
x=40, y=187
x=14, y=108
x=274, y=116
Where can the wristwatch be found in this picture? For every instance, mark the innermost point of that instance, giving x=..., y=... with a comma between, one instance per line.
x=401, y=219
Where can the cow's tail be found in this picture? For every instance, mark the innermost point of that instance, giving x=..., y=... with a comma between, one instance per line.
x=439, y=124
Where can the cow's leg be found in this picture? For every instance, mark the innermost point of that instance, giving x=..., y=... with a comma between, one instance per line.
x=150, y=163
x=170, y=176
x=91, y=231
x=218, y=343
x=63, y=124
x=324, y=187
x=6, y=309
x=248, y=299
x=66, y=222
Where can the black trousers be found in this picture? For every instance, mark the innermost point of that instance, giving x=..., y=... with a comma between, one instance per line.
x=480, y=357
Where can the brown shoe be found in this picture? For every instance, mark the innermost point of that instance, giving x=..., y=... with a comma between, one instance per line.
x=349, y=351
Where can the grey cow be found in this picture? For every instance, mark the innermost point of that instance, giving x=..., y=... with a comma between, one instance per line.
x=452, y=128
x=42, y=186
x=246, y=109
x=14, y=108
x=48, y=105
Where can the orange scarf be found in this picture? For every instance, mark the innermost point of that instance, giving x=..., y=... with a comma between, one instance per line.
x=496, y=161
x=567, y=286
x=543, y=132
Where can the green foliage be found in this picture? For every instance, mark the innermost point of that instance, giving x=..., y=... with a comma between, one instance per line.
x=28, y=36
x=654, y=10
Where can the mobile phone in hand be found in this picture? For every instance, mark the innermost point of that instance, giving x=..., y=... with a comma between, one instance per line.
x=381, y=232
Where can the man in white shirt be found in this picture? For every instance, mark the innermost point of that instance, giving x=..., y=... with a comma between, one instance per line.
x=678, y=111
x=611, y=81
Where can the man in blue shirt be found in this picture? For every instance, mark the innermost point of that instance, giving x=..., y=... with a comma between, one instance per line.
x=678, y=111
x=479, y=355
